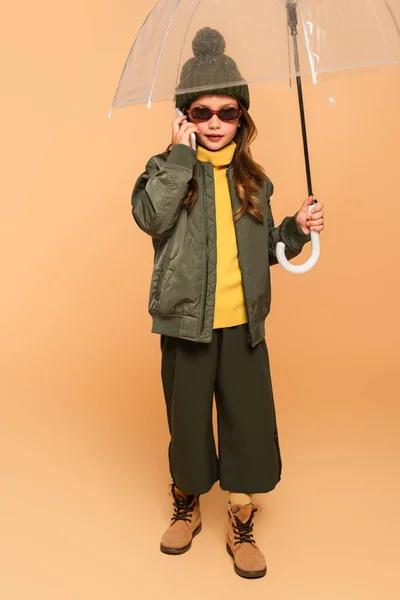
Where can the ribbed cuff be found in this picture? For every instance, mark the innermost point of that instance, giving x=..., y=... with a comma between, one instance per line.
x=294, y=233
x=182, y=156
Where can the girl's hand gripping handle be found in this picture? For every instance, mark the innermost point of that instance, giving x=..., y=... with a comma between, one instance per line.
x=315, y=245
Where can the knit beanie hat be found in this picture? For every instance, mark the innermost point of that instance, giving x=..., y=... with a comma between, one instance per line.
x=210, y=67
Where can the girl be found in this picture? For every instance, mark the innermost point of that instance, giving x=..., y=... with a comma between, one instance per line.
x=208, y=213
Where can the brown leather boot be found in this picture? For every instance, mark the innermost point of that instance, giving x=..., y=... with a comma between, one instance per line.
x=248, y=559
x=185, y=523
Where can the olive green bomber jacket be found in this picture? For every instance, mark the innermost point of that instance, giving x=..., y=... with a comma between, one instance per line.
x=182, y=290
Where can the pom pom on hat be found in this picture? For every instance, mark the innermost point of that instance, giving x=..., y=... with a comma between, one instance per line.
x=208, y=43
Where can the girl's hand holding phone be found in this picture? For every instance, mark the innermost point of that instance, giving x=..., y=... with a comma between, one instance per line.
x=181, y=130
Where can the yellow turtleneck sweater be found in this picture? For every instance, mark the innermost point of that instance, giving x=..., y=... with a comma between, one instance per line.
x=230, y=306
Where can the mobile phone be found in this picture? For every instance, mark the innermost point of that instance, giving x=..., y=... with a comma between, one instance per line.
x=192, y=136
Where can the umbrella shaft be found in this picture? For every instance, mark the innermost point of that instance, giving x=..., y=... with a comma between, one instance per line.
x=304, y=133
x=292, y=22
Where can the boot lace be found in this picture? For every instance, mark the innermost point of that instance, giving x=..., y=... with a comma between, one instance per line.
x=183, y=508
x=243, y=532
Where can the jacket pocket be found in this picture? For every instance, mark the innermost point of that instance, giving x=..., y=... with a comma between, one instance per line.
x=160, y=274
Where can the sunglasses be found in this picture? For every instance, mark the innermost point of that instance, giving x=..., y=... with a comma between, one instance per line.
x=205, y=114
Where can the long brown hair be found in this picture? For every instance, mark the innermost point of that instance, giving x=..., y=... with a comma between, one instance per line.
x=248, y=175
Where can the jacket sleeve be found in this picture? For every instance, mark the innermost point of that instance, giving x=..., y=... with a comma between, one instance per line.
x=289, y=232
x=159, y=193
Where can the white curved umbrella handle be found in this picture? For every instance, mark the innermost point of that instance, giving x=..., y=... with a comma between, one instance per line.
x=309, y=264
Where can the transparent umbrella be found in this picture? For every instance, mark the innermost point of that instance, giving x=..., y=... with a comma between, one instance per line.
x=269, y=40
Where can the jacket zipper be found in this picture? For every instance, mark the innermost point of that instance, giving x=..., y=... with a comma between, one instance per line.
x=203, y=316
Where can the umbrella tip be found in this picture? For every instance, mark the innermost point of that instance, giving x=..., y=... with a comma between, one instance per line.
x=110, y=113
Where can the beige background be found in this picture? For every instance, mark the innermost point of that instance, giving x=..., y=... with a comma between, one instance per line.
x=84, y=473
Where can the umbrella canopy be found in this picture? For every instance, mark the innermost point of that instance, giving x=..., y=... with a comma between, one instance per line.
x=187, y=46
x=332, y=35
